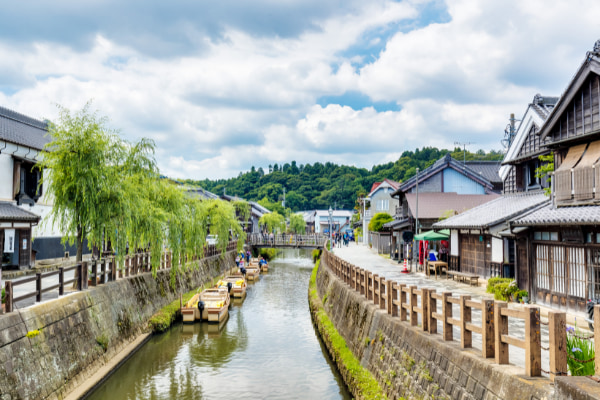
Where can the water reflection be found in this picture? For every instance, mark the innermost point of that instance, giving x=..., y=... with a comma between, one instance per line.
x=267, y=349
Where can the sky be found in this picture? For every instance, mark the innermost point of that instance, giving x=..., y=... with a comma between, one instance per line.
x=221, y=86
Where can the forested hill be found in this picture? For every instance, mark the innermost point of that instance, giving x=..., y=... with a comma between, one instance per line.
x=320, y=185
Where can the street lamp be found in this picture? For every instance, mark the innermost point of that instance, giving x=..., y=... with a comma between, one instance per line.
x=330, y=223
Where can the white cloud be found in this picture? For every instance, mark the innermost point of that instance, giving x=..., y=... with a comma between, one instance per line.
x=242, y=98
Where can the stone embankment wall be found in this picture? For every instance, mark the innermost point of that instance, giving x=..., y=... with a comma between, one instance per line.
x=412, y=364
x=47, y=349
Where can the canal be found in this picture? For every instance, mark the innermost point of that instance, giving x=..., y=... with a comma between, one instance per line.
x=267, y=349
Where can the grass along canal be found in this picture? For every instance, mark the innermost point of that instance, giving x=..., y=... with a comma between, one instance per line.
x=266, y=349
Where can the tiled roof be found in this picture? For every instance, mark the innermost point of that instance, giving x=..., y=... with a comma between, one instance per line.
x=432, y=205
x=397, y=223
x=10, y=212
x=444, y=162
x=22, y=130
x=494, y=212
x=393, y=184
x=581, y=215
x=487, y=169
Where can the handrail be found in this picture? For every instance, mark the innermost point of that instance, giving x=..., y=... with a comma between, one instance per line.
x=109, y=271
x=401, y=301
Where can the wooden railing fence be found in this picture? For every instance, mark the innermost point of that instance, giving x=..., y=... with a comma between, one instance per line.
x=98, y=272
x=412, y=304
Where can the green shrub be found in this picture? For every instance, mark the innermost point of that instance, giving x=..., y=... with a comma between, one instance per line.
x=520, y=294
x=102, y=341
x=268, y=253
x=503, y=288
x=579, y=349
x=3, y=296
x=492, y=282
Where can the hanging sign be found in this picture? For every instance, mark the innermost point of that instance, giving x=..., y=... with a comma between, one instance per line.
x=9, y=240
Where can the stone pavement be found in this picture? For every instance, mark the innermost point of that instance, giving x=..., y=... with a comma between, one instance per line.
x=364, y=257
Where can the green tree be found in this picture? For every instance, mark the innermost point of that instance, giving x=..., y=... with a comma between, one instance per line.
x=545, y=169
x=91, y=175
x=272, y=222
x=297, y=224
x=376, y=224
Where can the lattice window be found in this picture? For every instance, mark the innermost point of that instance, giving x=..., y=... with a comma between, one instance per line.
x=577, y=272
x=558, y=270
x=542, y=262
x=594, y=272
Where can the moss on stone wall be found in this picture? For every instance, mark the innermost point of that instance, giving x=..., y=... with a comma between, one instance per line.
x=359, y=380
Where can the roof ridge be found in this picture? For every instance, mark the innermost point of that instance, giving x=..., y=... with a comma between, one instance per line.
x=22, y=118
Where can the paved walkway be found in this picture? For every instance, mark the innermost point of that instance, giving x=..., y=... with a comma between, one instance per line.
x=364, y=257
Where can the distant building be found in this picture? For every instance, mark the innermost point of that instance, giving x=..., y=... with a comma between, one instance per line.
x=318, y=221
x=446, y=188
x=256, y=211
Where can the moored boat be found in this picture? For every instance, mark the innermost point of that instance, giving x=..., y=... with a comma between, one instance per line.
x=214, y=304
x=238, y=285
x=252, y=272
x=190, y=311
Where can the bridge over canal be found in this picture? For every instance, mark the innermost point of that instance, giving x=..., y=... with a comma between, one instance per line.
x=290, y=241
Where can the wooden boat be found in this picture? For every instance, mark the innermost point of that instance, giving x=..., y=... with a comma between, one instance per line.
x=190, y=311
x=216, y=304
x=252, y=272
x=238, y=285
x=264, y=267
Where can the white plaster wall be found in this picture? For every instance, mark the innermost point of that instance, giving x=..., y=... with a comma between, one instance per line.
x=6, y=176
x=454, y=242
x=497, y=253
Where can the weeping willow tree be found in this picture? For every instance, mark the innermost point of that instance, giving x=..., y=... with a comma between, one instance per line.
x=107, y=190
x=297, y=224
x=272, y=222
x=243, y=209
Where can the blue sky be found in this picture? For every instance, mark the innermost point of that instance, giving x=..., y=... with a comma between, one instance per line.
x=222, y=86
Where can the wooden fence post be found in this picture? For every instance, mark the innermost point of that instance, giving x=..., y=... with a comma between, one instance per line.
x=94, y=276
x=487, y=329
x=370, y=286
x=432, y=323
x=557, y=327
x=376, y=289
x=382, y=294
x=533, y=342
x=424, y=309
x=38, y=287
x=61, y=281
x=501, y=328
x=446, y=314
x=8, y=292
x=403, y=316
x=413, y=304
x=389, y=291
x=466, y=336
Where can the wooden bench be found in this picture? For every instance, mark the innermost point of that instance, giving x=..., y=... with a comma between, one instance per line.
x=436, y=266
x=464, y=277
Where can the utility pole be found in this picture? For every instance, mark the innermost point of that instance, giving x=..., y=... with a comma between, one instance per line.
x=283, y=202
x=464, y=145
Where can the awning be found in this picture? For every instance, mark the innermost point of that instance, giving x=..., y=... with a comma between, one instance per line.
x=433, y=235
x=590, y=157
x=573, y=156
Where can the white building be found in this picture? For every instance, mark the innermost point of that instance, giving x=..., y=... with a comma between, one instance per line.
x=23, y=206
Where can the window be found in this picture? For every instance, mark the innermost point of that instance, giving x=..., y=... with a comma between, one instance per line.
x=553, y=236
x=26, y=178
x=383, y=205
x=532, y=180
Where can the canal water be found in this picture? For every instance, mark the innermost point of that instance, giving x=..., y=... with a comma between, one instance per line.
x=267, y=349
